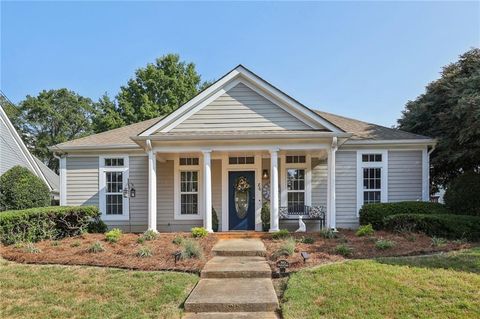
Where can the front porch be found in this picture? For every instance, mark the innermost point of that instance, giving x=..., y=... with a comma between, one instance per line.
x=295, y=180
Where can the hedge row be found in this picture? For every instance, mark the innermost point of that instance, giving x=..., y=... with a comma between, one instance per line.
x=375, y=213
x=441, y=225
x=35, y=224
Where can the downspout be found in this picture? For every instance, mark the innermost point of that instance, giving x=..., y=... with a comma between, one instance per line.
x=63, y=179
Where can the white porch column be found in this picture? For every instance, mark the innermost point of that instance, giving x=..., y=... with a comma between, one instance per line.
x=152, y=191
x=274, y=191
x=207, y=189
x=425, y=175
x=331, y=198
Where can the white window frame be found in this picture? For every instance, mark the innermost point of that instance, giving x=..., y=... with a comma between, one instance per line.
x=176, y=186
x=307, y=166
x=383, y=165
x=102, y=186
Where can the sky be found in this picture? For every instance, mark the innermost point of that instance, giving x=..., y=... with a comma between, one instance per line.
x=358, y=59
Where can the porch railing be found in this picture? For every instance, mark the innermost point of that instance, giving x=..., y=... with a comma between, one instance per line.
x=307, y=213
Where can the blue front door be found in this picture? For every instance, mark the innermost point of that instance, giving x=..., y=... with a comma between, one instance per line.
x=241, y=200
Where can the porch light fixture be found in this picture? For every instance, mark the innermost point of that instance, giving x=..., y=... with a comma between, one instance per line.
x=265, y=174
x=131, y=188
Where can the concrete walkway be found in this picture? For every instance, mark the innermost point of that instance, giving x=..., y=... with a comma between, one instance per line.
x=236, y=283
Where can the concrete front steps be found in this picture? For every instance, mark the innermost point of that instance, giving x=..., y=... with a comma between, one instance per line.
x=236, y=283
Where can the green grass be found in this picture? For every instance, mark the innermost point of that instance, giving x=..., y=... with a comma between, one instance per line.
x=33, y=291
x=463, y=260
x=417, y=288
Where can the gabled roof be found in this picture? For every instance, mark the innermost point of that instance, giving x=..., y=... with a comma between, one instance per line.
x=241, y=74
x=369, y=131
x=47, y=175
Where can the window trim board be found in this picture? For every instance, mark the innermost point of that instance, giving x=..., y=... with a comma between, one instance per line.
x=102, y=169
x=177, y=168
x=384, y=175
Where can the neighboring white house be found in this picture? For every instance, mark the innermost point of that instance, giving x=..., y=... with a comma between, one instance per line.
x=14, y=152
x=237, y=144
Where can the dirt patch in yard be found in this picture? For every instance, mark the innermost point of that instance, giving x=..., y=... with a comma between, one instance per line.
x=324, y=250
x=123, y=254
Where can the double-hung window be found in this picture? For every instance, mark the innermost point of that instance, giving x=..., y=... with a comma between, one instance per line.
x=296, y=190
x=114, y=202
x=372, y=177
x=188, y=179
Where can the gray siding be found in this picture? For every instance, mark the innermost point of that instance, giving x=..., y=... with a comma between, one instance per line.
x=404, y=175
x=138, y=174
x=241, y=109
x=82, y=181
x=346, y=189
x=10, y=154
x=319, y=181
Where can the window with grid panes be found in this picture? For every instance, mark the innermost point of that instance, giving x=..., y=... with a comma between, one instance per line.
x=296, y=190
x=189, y=192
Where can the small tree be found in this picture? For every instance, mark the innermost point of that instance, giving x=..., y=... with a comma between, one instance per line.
x=462, y=197
x=21, y=189
x=214, y=220
x=265, y=215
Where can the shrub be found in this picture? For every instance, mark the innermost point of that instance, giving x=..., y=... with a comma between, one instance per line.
x=35, y=224
x=96, y=247
x=308, y=240
x=461, y=196
x=191, y=249
x=113, y=236
x=144, y=252
x=343, y=250
x=141, y=240
x=199, y=232
x=327, y=233
x=76, y=243
x=150, y=235
x=365, y=230
x=383, y=244
x=265, y=216
x=97, y=227
x=281, y=234
x=375, y=213
x=214, y=220
x=32, y=249
x=21, y=189
x=178, y=240
x=287, y=248
x=438, y=241
x=441, y=225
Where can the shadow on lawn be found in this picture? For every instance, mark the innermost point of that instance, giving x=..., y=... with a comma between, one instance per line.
x=464, y=260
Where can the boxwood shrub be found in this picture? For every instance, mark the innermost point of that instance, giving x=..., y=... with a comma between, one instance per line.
x=439, y=225
x=461, y=196
x=55, y=222
x=375, y=213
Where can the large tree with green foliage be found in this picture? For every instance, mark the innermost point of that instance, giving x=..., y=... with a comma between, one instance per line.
x=157, y=89
x=449, y=111
x=53, y=117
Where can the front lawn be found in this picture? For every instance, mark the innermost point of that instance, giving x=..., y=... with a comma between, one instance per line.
x=419, y=287
x=33, y=291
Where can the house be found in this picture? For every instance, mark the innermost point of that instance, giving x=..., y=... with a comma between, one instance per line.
x=236, y=145
x=14, y=152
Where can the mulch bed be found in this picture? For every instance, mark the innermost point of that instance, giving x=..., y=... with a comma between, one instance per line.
x=123, y=254
x=322, y=251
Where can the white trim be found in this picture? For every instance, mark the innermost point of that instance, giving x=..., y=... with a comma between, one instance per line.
x=384, y=174
x=284, y=166
x=152, y=190
x=23, y=148
x=177, y=168
x=222, y=86
x=224, y=173
x=246, y=148
x=274, y=200
x=207, y=186
x=102, y=184
x=425, y=175
x=383, y=142
x=63, y=181
x=331, y=185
